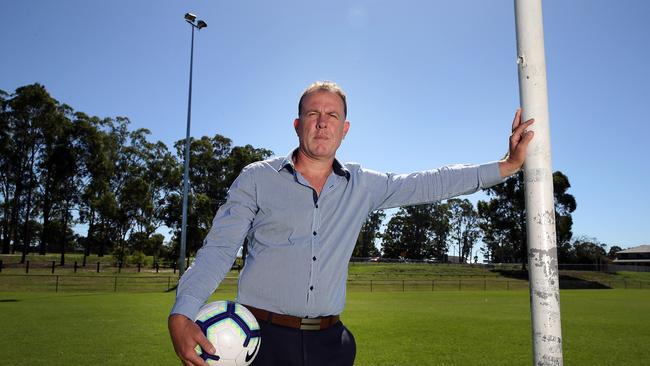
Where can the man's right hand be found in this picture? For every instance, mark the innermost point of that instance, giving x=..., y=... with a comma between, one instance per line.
x=185, y=336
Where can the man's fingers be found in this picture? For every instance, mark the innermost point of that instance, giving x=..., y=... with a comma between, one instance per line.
x=517, y=120
x=205, y=343
x=192, y=359
x=189, y=355
x=524, y=125
x=519, y=151
x=519, y=131
x=526, y=137
x=518, y=141
x=185, y=336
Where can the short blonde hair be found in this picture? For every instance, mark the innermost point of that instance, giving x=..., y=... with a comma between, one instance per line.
x=328, y=86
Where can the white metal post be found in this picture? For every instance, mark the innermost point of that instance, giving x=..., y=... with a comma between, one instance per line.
x=538, y=176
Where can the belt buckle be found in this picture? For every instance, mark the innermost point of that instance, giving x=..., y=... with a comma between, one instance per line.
x=310, y=324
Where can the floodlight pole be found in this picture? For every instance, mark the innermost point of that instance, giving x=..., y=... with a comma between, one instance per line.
x=538, y=178
x=189, y=18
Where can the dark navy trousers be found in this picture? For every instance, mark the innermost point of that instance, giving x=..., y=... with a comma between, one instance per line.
x=282, y=346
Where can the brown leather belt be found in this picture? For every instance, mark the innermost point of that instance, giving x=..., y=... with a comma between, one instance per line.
x=294, y=321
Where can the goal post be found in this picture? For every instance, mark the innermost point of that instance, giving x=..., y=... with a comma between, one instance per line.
x=538, y=183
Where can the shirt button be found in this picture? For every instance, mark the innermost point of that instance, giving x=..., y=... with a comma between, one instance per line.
x=311, y=288
x=314, y=233
x=314, y=258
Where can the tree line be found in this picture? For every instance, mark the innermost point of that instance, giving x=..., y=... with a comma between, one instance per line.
x=61, y=170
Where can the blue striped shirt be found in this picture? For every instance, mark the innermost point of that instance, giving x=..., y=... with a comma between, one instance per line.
x=300, y=243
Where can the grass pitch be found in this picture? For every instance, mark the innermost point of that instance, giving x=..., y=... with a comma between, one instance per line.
x=600, y=327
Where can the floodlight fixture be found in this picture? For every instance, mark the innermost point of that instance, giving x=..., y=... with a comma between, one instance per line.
x=190, y=17
x=201, y=24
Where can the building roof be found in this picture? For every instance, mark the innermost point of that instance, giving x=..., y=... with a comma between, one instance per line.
x=631, y=261
x=639, y=249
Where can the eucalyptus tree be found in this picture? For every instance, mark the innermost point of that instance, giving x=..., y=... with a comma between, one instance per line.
x=58, y=172
x=464, y=230
x=110, y=175
x=502, y=219
x=134, y=197
x=67, y=183
x=416, y=232
x=365, y=246
x=6, y=187
x=440, y=228
x=589, y=250
x=612, y=252
x=38, y=169
x=97, y=167
x=30, y=114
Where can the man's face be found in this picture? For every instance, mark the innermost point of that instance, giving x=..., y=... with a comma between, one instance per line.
x=321, y=126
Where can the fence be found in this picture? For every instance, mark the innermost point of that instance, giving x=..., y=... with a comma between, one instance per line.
x=133, y=283
x=75, y=267
x=483, y=285
x=627, y=267
x=98, y=283
x=602, y=266
x=42, y=267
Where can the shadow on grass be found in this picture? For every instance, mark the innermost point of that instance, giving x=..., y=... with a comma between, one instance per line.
x=566, y=281
x=171, y=289
x=9, y=300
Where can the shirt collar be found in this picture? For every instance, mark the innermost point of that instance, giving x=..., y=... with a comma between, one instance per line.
x=337, y=167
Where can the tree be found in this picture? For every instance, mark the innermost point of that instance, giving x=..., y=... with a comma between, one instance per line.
x=612, y=251
x=59, y=182
x=589, y=250
x=30, y=115
x=392, y=244
x=416, y=232
x=503, y=221
x=365, y=246
x=97, y=164
x=503, y=218
x=6, y=182
x=565, y=204
x=440, y=228
x=463, y=222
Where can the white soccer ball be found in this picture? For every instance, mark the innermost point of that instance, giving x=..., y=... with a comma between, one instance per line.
x=233, y=331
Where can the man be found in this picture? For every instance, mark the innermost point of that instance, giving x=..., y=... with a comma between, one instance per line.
x=302, y=214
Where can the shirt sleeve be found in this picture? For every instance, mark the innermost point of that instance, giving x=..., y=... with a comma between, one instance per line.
x=214, y=260
x=395, y=190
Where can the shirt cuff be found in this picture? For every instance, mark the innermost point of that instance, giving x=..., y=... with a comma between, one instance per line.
x=188, y=306
x=489, y=175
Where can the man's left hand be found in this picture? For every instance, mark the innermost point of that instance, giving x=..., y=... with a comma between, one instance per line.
x=518, y=145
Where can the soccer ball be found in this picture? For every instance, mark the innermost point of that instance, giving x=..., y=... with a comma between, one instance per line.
x=233, y=331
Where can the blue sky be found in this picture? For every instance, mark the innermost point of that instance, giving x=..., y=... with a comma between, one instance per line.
x=429, y=82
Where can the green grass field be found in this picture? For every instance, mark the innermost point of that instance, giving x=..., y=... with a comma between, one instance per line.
x=600, y=327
